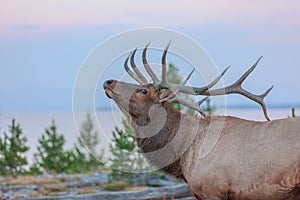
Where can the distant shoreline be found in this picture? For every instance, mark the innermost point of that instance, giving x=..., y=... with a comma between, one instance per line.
x=246, y=106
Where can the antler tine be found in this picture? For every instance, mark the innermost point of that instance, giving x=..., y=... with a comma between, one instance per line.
x=147, y=66
x=133, y=75
x=164, y=65
x=202, y=101
x=189, y=90
x=188, y=77
x=137, y=71
x=188, y=104
x=174, y=90
x=237, y=89
x=201, y=90
x=246, y=74
x=170, y=96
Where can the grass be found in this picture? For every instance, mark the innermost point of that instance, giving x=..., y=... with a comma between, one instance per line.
x=117, y=186
x=136, y=188
x=87, y=190
x=55, y=188
x=26, y=180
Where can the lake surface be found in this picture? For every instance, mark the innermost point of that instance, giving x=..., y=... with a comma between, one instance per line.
x=33, y=124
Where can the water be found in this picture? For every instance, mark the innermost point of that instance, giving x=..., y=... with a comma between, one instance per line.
x=33, y=124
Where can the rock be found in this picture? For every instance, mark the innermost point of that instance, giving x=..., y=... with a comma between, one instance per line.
x=159, y=182
x=97, y=178
x=101, y=177
x=46, y=176
x=153, y=180
x=140, y=178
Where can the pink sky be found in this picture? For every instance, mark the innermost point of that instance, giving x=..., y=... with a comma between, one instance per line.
x=35, y=17
x=42, y=39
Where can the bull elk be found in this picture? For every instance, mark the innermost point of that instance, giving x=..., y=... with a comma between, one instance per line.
x=249, y=160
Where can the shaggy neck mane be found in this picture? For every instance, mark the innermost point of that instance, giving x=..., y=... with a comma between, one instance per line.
x=149, y=141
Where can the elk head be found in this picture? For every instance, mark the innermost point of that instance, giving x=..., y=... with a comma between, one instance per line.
x=136, y=100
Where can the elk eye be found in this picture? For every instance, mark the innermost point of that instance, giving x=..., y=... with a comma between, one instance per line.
x=143, y=91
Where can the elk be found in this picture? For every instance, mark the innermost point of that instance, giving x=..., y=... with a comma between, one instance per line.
x=250, y=160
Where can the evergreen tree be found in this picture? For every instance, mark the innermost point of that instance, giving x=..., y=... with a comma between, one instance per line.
x=51, y=155
x=77, y=162
x=89, y=140
x=12, y=149
x=125, y=154
x=293, y=112
x=121, y=148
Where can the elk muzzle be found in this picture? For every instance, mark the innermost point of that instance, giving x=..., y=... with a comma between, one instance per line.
x=109, y=88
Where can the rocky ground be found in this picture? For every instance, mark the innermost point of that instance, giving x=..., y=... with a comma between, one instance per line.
x=92, y=186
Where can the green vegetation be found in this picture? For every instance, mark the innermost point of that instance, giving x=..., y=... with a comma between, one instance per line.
x=50, y=156
x=12, y=149
x=209, y=108
x=125, y=154
x=88, y=141
x=293, y=112
x=116, y=186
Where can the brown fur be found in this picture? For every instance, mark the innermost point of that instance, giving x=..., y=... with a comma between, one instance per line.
x=250, y=160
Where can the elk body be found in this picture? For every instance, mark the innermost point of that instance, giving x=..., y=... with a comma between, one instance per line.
x=250, y=160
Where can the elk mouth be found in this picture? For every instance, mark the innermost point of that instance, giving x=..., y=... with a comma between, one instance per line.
x=110, y=93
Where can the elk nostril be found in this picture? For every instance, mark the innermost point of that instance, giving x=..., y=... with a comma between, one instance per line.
x=108, y=82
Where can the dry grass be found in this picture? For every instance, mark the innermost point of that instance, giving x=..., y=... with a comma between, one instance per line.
x=87, y=190
x=55, y=188
x=136, y=188
x=43, y=193
x=50, y=190
x=116, y=186
x=25, y=180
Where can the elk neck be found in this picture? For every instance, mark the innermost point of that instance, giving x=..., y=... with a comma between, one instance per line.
x=164, y=128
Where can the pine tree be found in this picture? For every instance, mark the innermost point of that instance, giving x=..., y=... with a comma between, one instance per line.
x=89, y=140
x=77, y=162
x=121, y=148
x=51, y=155
x=12, y=149
x=293, y=112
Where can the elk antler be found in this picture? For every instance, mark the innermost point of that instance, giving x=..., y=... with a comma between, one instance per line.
x=171, y=90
